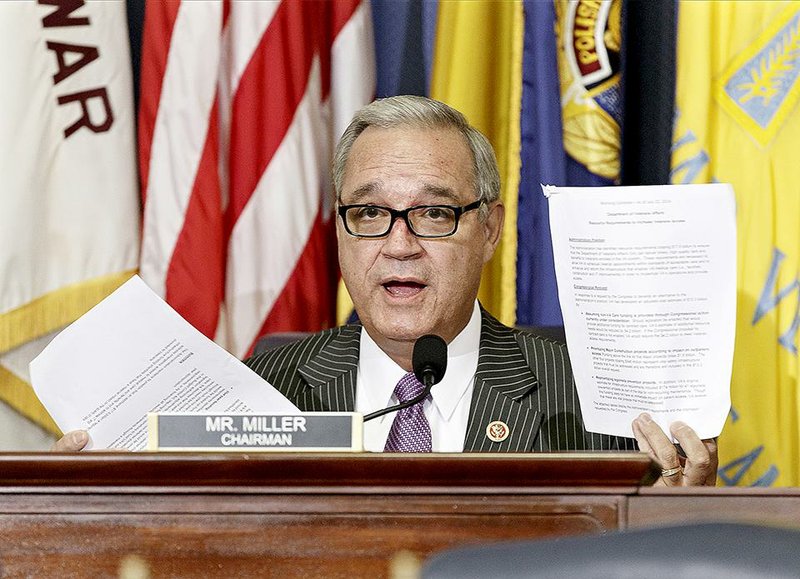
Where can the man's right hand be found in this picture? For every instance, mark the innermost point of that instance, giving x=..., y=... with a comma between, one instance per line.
x=71, y=441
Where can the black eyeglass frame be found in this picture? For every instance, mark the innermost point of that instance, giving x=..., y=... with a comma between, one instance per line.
x=403, y=213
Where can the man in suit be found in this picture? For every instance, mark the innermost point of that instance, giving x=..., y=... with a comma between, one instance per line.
x=418, y=215
x=412, y=266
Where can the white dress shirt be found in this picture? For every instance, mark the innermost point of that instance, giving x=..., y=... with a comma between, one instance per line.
x=447, y=413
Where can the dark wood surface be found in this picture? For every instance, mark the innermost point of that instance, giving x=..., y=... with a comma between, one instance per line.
x=367, y=470
x=310, y=515
x=290, y=535
x=191, y=515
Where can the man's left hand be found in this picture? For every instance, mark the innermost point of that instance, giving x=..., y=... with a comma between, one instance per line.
x=697, y=468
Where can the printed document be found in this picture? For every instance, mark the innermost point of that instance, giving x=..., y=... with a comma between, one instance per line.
x=133, y=354
x=647, y=285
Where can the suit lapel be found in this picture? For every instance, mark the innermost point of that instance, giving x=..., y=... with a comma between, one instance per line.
x=504, y=391
x=330, y=376
x=505, y=386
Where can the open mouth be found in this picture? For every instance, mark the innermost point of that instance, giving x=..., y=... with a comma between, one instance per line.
x=403, y=289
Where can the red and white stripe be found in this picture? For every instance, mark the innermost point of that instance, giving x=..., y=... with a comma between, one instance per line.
x=241, y=104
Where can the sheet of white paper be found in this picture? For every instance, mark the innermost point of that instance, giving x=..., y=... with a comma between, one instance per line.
x=133, y=354
x=647, y=285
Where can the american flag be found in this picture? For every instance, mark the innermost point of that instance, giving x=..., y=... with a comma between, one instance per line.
x=241, y=105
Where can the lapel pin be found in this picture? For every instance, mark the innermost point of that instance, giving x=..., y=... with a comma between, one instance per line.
x=497, y=431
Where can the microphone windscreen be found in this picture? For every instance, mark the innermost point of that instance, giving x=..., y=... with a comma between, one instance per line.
x=430, y=355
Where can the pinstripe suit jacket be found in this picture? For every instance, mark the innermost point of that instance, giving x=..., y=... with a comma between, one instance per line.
x=524, y=380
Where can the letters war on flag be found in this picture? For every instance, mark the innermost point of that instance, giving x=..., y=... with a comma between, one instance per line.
x=69, y=206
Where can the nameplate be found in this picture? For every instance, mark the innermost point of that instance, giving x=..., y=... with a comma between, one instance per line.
x=313, y=432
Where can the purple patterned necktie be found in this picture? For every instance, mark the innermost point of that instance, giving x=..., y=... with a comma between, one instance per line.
x=410, y=431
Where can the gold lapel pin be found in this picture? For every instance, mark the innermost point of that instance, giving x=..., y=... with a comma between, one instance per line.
x=497, y=431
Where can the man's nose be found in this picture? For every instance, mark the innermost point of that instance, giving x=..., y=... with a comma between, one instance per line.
x=401, y=243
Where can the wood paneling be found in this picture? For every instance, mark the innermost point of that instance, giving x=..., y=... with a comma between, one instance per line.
x=225, y=515
x=190, y=515
x=769, y=506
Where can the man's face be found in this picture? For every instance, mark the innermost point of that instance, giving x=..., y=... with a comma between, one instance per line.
x=402, y=286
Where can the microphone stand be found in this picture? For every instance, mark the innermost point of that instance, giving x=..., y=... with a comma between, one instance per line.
x=427, y=380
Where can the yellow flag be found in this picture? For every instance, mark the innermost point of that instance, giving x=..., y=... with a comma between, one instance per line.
x=738, y=122
x=477, y=69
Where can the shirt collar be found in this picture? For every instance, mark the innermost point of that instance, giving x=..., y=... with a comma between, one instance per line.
x=382, y=373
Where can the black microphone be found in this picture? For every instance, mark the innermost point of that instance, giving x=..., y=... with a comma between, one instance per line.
x=429, y=362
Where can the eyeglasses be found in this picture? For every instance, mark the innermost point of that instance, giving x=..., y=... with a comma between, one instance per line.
x=428, y=221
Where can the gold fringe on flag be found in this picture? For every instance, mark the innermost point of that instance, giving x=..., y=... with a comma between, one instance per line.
x=20, y=396
x=38, y=318
x=56, y=309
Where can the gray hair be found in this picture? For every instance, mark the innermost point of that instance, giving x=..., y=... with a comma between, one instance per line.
x=421, y=112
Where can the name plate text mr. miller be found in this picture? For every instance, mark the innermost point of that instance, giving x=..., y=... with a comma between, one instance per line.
x=313, y=432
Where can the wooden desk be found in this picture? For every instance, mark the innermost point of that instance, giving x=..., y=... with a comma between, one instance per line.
x=226, y=515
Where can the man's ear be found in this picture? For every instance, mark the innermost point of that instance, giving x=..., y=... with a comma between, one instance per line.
x=493, y=227
x=339, y=227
